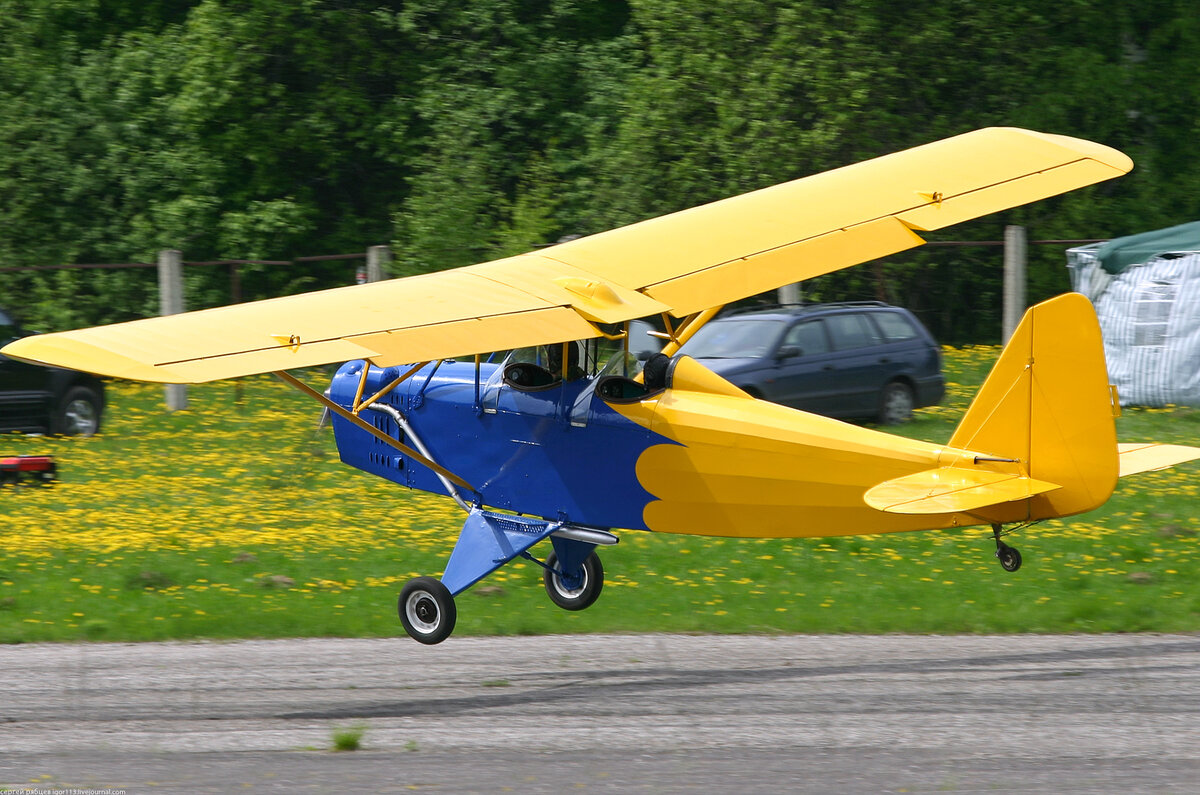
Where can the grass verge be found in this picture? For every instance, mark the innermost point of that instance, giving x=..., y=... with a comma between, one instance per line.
x=235, y=519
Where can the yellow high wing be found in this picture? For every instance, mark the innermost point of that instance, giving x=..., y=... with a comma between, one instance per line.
x=680, y=263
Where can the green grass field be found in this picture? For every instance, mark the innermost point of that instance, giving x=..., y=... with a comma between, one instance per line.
x=235, y=519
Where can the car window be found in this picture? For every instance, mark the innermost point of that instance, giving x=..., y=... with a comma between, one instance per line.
x=851, y=330
x=809, y=337
x=8, y=329
x=738, y=338
x=895, y=326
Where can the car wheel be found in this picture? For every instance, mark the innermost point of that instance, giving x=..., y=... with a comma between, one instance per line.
x=78, y=413
x=895, y=404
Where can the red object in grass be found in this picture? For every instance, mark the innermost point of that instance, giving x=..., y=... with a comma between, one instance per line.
x=32, y=468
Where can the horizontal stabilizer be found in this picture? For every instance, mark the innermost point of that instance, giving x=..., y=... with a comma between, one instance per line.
x=1147, y=457
x=952, y=489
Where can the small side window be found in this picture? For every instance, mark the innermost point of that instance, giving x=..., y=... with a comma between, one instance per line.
x=619, y=389
x=529, y=377
x=809, y=337
x=895, y=326
x=1151, y=311
x=850, y=330
x=8, y=329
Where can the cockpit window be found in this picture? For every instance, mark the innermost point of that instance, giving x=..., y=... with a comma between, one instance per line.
x=533, y=355
x=540, y=367
x=622, y=363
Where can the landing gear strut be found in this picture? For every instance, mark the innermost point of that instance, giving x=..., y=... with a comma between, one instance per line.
x=1009, y=557
x=488, y=540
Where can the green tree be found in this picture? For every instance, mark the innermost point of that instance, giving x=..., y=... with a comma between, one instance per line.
x=463, y=131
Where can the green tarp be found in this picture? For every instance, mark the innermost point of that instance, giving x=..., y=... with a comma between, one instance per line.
x=1117, y=255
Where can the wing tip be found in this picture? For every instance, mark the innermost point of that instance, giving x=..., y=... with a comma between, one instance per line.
x=62, y=350
x=1101, y=153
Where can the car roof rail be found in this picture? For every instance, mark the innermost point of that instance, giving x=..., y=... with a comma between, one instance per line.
x=743, y=310
x=852, y=304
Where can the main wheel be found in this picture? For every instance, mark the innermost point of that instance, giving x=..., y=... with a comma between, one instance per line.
x=427, y=610
x=1010, y=558
x=574, y=592
x=895, y=404
x=78, y=414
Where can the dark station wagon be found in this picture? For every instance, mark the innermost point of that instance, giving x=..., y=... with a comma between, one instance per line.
x=860, y=360
x=45, y=399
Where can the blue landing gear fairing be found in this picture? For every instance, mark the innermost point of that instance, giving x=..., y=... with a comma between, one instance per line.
x=573, y=574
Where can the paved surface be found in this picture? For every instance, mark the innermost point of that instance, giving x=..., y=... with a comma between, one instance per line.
x=650, y=713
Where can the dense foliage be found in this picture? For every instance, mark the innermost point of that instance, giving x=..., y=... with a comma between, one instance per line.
x=460, y=130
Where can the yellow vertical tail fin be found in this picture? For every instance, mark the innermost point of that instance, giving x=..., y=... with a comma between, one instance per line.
x=1047, y=403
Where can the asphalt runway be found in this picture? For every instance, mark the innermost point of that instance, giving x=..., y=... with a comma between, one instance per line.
x=643, y=713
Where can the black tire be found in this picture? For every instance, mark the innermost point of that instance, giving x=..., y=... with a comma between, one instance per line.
x=586, y=591
x=1009, y=557
x=78, y=413
x=896, y=403
x=427, y=610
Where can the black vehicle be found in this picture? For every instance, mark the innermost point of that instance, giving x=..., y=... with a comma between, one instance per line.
x=46, y=399
x=861, y=360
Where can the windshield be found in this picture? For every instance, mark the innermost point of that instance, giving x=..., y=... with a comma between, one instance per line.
x=622, y=363
x=741, y=338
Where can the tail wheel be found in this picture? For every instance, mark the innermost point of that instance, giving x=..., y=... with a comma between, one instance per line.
x=427, y=610
x=1009, y=557
x=574, y=590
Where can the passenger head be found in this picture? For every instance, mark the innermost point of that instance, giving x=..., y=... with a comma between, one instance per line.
x=554, y=360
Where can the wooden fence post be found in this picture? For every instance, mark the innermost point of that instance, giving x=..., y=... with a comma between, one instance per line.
x=788, y=295
x=378, y=258
x=170, y=302
x=1015, y=255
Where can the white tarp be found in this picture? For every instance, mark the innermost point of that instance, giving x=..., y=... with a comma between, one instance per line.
x=1150, y=318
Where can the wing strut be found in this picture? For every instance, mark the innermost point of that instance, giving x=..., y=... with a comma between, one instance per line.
x=689, y=326
x=357, y=421
x=360, y=404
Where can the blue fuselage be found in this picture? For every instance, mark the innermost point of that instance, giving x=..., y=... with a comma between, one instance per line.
x=558, y=453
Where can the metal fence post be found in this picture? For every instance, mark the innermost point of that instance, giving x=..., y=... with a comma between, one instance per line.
x=1015, y=254
x=170, y=302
